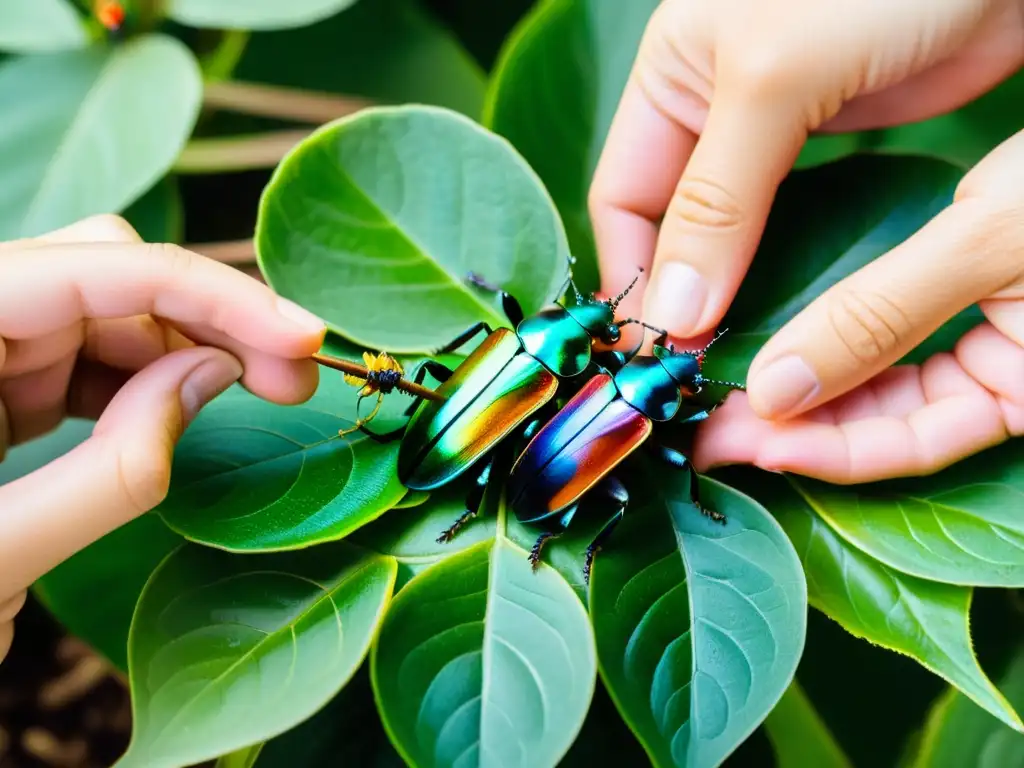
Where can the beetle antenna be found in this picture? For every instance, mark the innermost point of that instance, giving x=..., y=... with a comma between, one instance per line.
x=729, y=384
x=572, y=283
x=700, y=354
x=633, y=321
x=615, y=302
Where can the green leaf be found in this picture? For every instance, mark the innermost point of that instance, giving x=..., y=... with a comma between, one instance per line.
x=95, y=129
x=925, y=620
x=227, y=651
x=862, y=206
x=482, y=660
x=415, y=59
x=699, y=625
x=409, y=534
x=556, y=87
x=799, y=736
x=252, y=14
x=960, y=526
x=959, y=733
x=251, y=476
x=158, y=216
x=390, y=210
x=40, y=25
x=116, y=567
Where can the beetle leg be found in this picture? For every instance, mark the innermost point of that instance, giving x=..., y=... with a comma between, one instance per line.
x=473, y=500
x=509, y=303
x=538, y=545
x=463, y=337
x=612, y=488
x=676, y=459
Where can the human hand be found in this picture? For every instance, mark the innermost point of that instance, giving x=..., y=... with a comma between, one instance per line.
x=752, y=80
x=907, y=420
x=94, y=323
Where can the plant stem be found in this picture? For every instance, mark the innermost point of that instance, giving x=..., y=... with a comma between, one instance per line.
x=284, y=103
x=237, y=153
x=220, y=63
x=347, y=366
x=234, y=252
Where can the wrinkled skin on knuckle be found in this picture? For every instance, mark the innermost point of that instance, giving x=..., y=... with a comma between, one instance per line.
x=704, y=204
x=143, y=477
x=868, y=325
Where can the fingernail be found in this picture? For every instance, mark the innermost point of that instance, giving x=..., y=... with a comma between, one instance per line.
x=676, y=299
x=783, y=386
x=206, y=382
x=301, y=317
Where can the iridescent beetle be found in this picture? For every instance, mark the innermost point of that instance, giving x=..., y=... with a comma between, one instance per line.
x=574, y=455
x=504, y=381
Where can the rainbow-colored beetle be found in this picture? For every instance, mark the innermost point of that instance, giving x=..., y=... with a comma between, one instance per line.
x=574, y=455
x=504, y=382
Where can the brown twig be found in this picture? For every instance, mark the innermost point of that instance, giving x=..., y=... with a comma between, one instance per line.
x=347, y=366
x=234, y=252
x=314, y=107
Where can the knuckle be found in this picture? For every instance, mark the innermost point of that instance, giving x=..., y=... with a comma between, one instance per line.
x=870, y=326
x=173, y=257
x=707, y=205
x=764, y=72
x=10, y=608
x=143, y=478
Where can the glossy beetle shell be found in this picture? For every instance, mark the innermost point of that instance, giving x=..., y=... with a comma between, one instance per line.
x=555, y=338
x=494, y=390
x=585, y=441
x=645, y=384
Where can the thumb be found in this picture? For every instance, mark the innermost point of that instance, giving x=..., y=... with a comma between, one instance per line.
x=121, y=471
x=717, y=214
x=874, y=317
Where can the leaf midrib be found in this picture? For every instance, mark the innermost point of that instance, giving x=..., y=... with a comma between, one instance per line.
x=422, y=251
x=289, y=626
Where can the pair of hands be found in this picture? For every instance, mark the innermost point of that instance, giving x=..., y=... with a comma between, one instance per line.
x=95, y=323
x=722, y=97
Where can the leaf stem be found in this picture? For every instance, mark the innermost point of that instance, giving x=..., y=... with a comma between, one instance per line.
x=347, y=366
x=315, y=107
x=237, y=153
x=228, y=252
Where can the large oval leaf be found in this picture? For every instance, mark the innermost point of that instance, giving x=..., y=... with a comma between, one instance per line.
x=375, y=222
x=959, y=733
x=40, y=25
x=252, y=14
x=483, y=661
x=699, y=625
x=95, y=129
x=227, y=651
x=555, y=90
x=961, y=526
x=925, y=620
x=251, y=476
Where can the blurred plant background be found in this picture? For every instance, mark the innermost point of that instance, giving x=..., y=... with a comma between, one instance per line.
x=178, y=117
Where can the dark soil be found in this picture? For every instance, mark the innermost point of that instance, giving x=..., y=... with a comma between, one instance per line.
x=61, y=705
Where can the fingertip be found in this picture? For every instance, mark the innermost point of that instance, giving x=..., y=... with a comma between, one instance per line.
x=310, y=330
x=284, y=382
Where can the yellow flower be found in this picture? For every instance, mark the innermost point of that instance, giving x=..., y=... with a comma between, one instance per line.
x=374, y=364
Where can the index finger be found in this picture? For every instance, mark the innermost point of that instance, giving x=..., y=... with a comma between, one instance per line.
x=643, y=157
x=50, y=287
